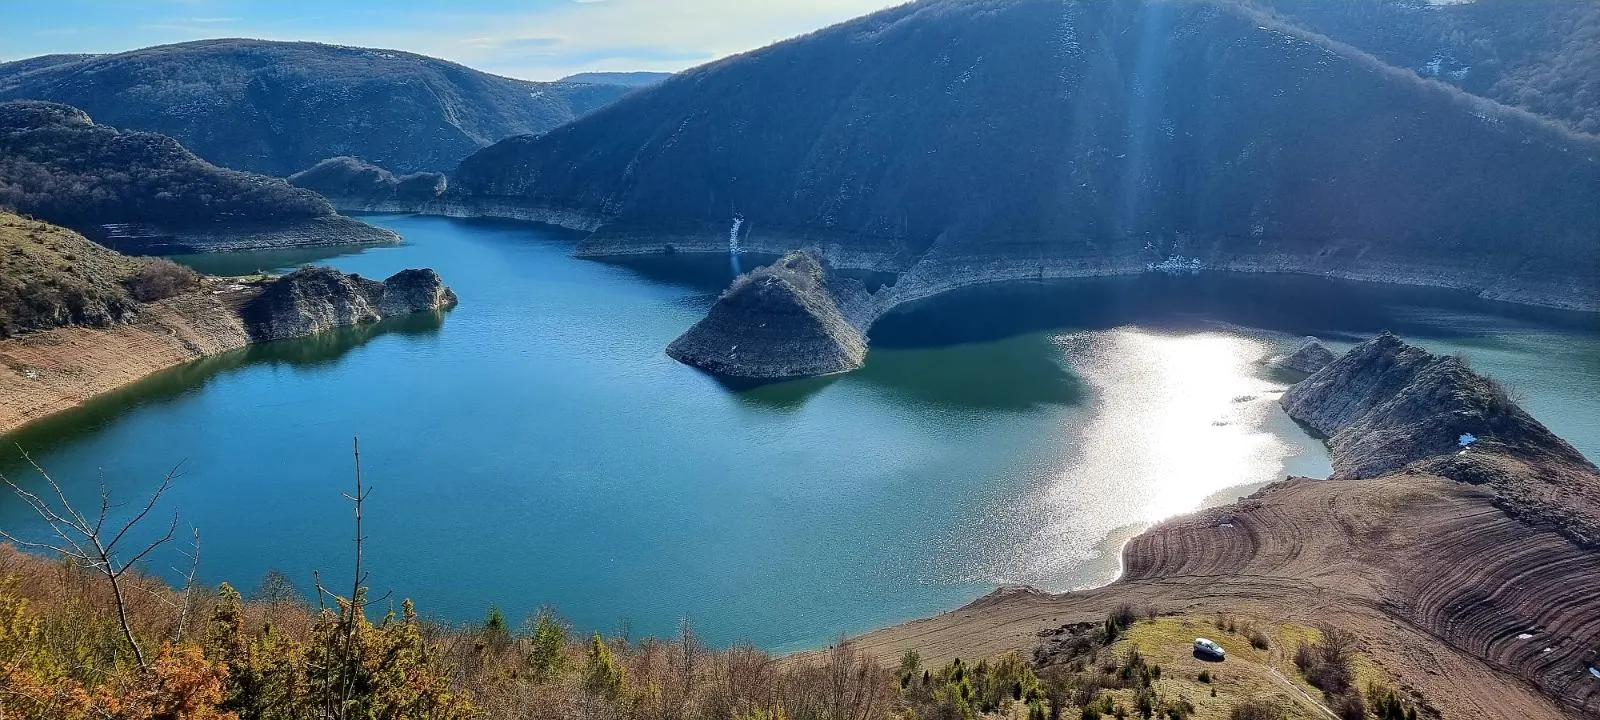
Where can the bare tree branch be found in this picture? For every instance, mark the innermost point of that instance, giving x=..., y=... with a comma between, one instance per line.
x=86, y=541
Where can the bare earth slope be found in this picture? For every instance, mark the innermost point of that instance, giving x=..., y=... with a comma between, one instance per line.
x=1487, y=610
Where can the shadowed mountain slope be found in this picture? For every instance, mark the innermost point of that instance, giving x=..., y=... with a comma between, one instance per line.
x=1540, y=55
x=280, y=107
x=977, y=141
x=145, y=193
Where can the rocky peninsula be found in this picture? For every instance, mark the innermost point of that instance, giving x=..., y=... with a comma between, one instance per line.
x=793, y=318
x=66, y=337
x=313, y=300
x=356, y=186
x=1454, y=540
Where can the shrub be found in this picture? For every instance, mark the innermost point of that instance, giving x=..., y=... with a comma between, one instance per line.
x=1254, y=709
x=1326, y=664
x=1388, y=705
x=602, y=676
x=495, y=632
x=1205, y=676
x=159, y=279
x=1350, y=707
x=1259, y=641
x=547, y=653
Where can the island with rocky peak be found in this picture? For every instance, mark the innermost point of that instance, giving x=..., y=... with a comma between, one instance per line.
x=793, y=318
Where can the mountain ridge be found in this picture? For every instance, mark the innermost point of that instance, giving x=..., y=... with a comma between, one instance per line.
x=995, y=141
x=264, y=106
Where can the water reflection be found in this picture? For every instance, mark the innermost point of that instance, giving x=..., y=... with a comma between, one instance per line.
x=1015, y=374
x=260, y=261
x=1172, y=420
x=320, y=350
x=1336, y=310
x=326, y=348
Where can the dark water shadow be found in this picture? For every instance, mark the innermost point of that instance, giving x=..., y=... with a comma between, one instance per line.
x=1291, y=304
x=249, y=262
x=1010, y=375
x=778, y=396
x=176, y=383
x=326, y=348
x=701, y=272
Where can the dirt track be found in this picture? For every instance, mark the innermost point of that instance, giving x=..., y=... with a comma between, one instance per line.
x=47, y=372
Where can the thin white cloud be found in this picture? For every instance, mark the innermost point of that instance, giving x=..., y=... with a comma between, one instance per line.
x=607, y=35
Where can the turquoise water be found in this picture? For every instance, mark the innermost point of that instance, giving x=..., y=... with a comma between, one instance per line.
x=535, y=446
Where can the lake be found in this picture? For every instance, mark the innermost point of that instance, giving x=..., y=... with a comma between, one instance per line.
x=536, y=447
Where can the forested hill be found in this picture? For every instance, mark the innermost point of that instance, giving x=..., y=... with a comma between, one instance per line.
x=1072, y=137
x=278, y=108
x=58, y=165
x=1540, y=55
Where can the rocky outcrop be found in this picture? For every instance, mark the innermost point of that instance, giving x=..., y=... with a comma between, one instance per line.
x=790, y=319
x=1310, y=357
x=1387, y=407
x=413, y=291
x=312, y=300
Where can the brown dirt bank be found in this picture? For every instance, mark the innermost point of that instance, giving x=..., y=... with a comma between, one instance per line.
x=1437, y=581
x=47, y=372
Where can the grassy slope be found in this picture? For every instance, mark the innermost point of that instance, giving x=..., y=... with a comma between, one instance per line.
x=1247, y=673
x=51, y=276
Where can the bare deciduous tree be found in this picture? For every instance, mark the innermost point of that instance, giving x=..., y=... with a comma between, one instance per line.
x=84, y=540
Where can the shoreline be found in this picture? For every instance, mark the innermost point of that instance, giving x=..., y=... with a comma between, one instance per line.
x=940, y=270
x=43, y=374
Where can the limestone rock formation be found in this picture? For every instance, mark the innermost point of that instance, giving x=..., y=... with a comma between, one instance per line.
x=1390, y=407
x=1311, y=356
x=793, y=318
x=411, y=291
x=312, y=300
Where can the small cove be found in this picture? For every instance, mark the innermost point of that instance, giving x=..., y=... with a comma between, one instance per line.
x=535, y=446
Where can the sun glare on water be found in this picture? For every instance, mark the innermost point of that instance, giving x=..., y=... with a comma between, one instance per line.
x=1174, y=421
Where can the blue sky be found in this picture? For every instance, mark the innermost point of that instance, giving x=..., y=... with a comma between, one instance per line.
x=532, y=39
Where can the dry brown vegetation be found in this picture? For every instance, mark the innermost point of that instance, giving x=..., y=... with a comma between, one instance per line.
x=52, y=277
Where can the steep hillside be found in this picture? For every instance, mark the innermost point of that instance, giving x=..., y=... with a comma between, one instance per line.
x=278, y=108
x=145, y=193
x=1540, y=55
x=52, y=277
x=975, y=141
